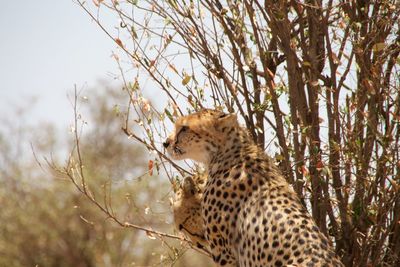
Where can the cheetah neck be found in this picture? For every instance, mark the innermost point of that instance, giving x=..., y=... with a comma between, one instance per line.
x=240, y=150
x=236, y=146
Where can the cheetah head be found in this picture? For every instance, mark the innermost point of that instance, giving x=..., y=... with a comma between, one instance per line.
x=200, y=135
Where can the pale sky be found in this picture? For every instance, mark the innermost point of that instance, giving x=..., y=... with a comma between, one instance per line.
x=46, y=47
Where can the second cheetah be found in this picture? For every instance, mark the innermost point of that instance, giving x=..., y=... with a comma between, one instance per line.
x=186, y=206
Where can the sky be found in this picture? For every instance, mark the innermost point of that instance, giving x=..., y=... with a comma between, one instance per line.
x=46, y=48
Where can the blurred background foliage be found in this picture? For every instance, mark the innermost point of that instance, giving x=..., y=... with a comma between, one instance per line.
x=45, y=221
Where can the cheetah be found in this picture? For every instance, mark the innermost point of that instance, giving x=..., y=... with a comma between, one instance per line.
x=252, y=217
x=186, y=206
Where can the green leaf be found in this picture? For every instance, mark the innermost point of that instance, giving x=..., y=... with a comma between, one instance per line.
x=116, y=110
x=169, y=115
x=134, y=34
x=186, y=79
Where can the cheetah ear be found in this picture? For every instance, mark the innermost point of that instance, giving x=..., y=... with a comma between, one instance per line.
x=227, y=120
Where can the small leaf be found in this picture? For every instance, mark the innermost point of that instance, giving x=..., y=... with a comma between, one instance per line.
x=319, y=166
x=135, y=85
x=119, y=42
x=169, y=115
x=186, y=79
x=378, y=47
x=175, y=113
x=190, y=100
x=151, y=164
x=279, y=157
x=133, y=32
x=224, y=11
x=303, y=169
x=167, y=21
x=116, y=110
x=145, y=104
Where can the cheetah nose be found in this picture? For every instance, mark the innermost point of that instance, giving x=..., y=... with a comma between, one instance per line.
x=166, y=144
